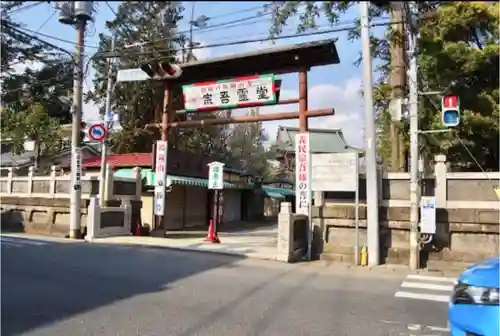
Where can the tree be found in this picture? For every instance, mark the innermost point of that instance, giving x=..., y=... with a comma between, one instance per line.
x=458, y=44
x=246, y=147
x=50, y=86
x=35, y=124
x=149, y=30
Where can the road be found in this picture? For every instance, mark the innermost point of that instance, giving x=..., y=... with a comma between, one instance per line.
x=55, y=288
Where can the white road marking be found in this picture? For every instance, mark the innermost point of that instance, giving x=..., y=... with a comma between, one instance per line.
x=430, y=278
x=422, y=296
x=20, y=242
x=423, y=285
x=418, y=327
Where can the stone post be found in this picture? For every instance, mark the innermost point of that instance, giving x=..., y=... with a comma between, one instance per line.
x=31, y=173
x=53, y=178
x=285, y=233
x=319, y=198
x=440, y=185
x=127, y=215
x=93, y=218
x=10, y=174
x=138, y=183
x=109, y=188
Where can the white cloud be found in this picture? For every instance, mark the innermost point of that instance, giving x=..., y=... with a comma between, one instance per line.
x=344, y=99
x=203, y=53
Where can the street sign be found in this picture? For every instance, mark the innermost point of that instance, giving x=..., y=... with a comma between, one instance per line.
x=131, y=75
x=216, y=175
x=334, y=172
x=160, y=177
x=302, y=174
x=428, y=214
x=233, y=93
x=97, y=132
x=450, y=111
x=76, y=155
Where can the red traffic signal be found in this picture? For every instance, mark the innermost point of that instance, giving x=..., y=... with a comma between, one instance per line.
x=450, y=102
x=450, y=111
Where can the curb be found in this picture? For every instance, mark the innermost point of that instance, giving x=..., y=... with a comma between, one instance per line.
x=188, y=249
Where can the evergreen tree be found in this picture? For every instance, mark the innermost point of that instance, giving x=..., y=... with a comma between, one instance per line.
x=458, y=44
x=146, y=31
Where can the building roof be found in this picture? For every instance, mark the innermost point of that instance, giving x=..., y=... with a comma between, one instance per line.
x=321, y=140
x=277, y=60
x=26, y=158
x=126, y=160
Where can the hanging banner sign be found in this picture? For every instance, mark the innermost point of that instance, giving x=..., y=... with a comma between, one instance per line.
x=232, y=93
x=160, y=177
x=302, y=174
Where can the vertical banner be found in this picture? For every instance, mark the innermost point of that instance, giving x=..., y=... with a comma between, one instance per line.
x=302, y=174
x=77, y=172
x=160, y=177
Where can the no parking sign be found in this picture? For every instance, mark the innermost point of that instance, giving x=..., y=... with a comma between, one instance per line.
x=98, y=132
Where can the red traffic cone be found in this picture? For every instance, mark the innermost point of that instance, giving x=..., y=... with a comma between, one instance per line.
x=212, y=236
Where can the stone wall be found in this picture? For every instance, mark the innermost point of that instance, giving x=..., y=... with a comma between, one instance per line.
x=467, y=223
x=41, y=204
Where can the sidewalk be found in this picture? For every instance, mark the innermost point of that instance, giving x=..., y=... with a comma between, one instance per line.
x=256, y=247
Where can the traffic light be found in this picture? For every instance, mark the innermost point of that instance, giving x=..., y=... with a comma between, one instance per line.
x=450, y=111
x=161, y=70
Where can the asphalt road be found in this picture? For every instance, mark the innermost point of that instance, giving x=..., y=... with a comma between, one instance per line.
x=52, y=288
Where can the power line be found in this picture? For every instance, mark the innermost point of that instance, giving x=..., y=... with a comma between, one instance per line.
x=225, y=44
x=25, y=7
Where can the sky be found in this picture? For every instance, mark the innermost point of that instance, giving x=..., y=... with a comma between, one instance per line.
x=336, y=86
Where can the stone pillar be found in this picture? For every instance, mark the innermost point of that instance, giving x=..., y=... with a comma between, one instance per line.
x=10, y=174
x=138, y=183
x=93, y=218
x=319, y=198
x=31, y=173
x=440, y=184
x=53, y=177
x=108, y=190
x=285, y=233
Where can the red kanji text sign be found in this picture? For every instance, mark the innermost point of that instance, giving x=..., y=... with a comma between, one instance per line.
x=302, y=174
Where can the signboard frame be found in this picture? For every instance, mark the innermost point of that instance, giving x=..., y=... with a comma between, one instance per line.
x=350, y=160
x=227, y=85
x=160, y=177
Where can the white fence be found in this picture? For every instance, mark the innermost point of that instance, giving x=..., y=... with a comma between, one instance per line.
x=55, y=186
x=108, y=221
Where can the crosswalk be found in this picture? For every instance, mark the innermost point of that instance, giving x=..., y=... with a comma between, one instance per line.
x=426, y=287
x=11, y=242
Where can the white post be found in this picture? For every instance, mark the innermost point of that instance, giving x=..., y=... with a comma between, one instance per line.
x=109, y=190
x=53, y=176
x=93, y=218
x=138, y=183
x=371, y=155
x=413, y=36
x=440, y=183
x=31, y=173
x=10, y=174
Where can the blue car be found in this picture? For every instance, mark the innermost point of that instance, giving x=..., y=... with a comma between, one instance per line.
x=473, y=309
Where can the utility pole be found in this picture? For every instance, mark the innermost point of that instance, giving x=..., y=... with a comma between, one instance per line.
x=107, y=123
x=76, y=159
x=397, y=81
x=371, y=153
x=413, y=36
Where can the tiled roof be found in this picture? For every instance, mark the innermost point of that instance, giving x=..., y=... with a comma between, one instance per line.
x=126, y=160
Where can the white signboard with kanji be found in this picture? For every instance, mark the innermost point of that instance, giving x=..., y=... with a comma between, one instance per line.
x=334, y=172
x=160, y=177
x=216, y=175
x=228, y=94
x=302, y=174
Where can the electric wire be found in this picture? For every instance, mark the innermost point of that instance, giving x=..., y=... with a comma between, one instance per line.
x=25, y=7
